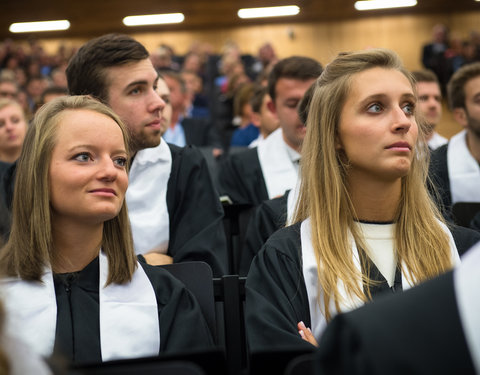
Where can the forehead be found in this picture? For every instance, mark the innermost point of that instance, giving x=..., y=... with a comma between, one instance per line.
x=10, y=108
x=162, y=87
x=427, y=88
x=379, y=81
x=291, y=87
x=84, y=125
x=123, y=75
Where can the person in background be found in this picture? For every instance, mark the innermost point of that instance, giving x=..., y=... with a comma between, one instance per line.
x=454, y=167
x=365, y=224
x=267, y=171
x=262, y=117
x=13, y=127
x=430, y=105
x=70, y=277
x=174, y=209
x=246, y=131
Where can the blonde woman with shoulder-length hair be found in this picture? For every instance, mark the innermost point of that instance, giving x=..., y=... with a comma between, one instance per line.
x=71, y=280
x=365, y=223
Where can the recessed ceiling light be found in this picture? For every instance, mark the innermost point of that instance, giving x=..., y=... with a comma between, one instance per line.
x=383, y=4
x=25, y=27
x=154, y=19
x=289, y=10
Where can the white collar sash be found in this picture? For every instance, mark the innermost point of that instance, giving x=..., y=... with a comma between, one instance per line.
x=348, y=303
x=463, y=170
x=129, y=324
x=147, y=199
x=278, y=170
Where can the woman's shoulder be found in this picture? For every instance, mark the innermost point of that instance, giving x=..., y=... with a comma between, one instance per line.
x=285, y=241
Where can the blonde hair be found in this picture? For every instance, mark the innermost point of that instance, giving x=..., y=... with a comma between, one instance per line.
x=421, y=244
x=30, y=245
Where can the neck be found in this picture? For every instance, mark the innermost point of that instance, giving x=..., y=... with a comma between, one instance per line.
x=10, y=156
x=473, y=144
x=76, y=245
x=375, y=201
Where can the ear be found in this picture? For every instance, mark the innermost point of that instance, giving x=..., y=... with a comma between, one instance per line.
x=271, y=106
x=460, y=116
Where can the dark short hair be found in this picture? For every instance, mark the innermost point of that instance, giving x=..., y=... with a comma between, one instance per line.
x=456, y=85
x=425, y=75
x=86, y=71
x=56, y=90
x=256, y=100
x=294, y=67
x=304, y=105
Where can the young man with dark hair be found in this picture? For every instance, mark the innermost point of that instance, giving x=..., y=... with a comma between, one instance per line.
x=185, y=130
x=174, y=209
x=270, y=169
x=430, y=105
x=455, y=166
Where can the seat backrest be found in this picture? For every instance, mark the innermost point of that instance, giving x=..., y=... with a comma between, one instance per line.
x=197, y=277
x=230, y=292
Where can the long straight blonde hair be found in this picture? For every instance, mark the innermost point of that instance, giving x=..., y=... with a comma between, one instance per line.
x=30, y=246
x=422, y=246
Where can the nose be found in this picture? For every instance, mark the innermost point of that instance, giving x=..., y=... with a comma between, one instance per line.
x=156, y=102
x=107, y=171
x=401, y=121
x=9, y=125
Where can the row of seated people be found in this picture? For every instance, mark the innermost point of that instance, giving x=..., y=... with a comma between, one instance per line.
x=376, y=188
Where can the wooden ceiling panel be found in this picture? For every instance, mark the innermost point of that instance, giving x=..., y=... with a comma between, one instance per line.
x=94, y=17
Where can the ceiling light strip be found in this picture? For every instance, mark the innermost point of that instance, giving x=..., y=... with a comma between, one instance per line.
x=26, y=27
x=289, y=10
x=154, y=19
x=383, y=4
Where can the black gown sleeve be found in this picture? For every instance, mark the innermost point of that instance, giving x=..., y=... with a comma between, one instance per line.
x=464, y=238
x=196, y=215
x=267, y=218
x=438, y=172
x=240, y=177
x=276, y=296
x=182, y=325
x=415, y=332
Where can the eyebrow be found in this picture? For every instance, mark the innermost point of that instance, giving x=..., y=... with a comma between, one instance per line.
x=90, y=147
x=383, y=96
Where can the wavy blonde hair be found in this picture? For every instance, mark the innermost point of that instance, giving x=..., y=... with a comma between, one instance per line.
x=421, y=244
x=30, y=245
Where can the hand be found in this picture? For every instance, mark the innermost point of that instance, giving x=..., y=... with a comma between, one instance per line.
x=306, y=334
x=216, y=152
x=157, y=259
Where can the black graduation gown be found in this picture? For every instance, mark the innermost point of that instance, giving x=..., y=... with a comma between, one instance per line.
x=416, y=332
x=438, y=171
x=182, y=326
x=267, y=218
x=240, y=177
x=276, y=294
x=7, y=173
x=200, y=132
x=195, y=212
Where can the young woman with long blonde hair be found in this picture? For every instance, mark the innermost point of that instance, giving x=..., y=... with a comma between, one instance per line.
x=365, y=223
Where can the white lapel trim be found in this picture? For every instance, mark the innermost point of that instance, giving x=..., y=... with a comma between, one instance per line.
x=463, y=170
x=147, y=199
x=309, y=265
x=31, y=311
x=466, y=282
x=129, y=325
x=277, y=168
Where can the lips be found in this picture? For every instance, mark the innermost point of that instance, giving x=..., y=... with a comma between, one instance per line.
x=104, y=191
x=399, y=145
x=155, y=124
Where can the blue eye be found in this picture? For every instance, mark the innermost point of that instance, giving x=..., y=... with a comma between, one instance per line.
x=409, y=108
x=121, y=162
x=374, y=108
x=83, y=157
